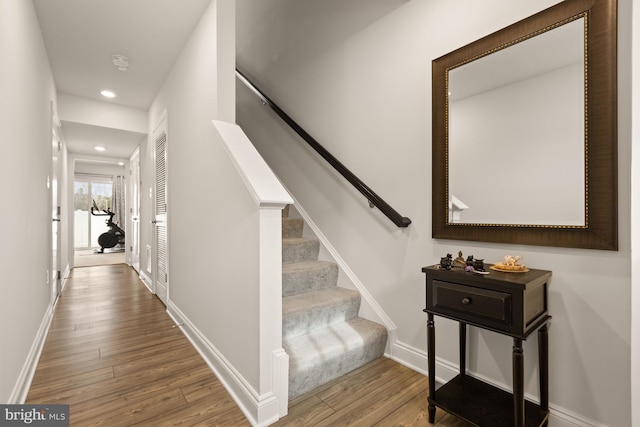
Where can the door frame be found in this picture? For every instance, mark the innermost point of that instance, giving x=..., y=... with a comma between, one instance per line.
x=54, y=185
x=134, y=210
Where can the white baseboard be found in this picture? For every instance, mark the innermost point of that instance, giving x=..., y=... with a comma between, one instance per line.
x=146, y=280
x=408, y=356
x=416, y=359
x=65, y=276
x=280, y=380
x=21, y=388
x=260, y=410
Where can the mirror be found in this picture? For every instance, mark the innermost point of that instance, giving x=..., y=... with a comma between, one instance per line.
x=525, y=132
x=507, y=146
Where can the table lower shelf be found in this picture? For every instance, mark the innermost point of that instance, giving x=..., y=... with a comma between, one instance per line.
x=484, y=405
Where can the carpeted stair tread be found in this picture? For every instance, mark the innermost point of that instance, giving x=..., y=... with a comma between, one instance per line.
x=305, y=313
x=299, y=249
x=328, y=353
x=308, y=276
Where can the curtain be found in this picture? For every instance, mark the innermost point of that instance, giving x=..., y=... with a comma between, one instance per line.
x=119, y=200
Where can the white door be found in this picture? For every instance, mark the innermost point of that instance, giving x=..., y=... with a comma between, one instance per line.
x=160, y=247
x=134, y=235
x=54, y=191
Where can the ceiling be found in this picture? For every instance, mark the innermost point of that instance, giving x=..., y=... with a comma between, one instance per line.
x=80, y=37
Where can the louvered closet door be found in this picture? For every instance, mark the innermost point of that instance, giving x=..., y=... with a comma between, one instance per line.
x=133, y=235
x=160, y=271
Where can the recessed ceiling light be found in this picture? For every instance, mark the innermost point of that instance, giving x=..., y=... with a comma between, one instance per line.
x=99, y=148
x=107, y=94
x=120, y=163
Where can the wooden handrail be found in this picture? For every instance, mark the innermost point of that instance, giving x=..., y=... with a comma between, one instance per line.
x=372, y=197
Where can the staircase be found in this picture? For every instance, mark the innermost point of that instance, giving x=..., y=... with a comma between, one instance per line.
x=321, y=330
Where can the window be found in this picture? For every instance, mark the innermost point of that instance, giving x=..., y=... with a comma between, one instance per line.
x=86, y=190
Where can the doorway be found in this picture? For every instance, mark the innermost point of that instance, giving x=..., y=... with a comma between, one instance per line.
x=134, y=209
x=86, y=190
x=87, y=228
x=55, y=194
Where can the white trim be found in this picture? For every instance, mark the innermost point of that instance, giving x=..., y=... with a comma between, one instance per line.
x=144, y=277
x=261, y=183
x=65, y=276
x=148, y=260
x=130, y=194
x=409, y=356
x=280, y=380
x=260, y=410
x=21, y=388
x=562, y=417
x=273, y=360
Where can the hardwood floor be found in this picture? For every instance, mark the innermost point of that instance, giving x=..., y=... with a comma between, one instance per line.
x=113, y=355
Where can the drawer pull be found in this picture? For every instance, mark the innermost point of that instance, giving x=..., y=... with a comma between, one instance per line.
x=466, y=301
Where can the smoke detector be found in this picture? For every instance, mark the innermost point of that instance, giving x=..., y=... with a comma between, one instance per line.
x=121, y=62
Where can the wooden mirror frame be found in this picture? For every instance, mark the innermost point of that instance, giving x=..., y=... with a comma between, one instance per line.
x=601, y=162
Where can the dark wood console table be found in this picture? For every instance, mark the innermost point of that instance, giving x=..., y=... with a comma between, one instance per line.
x=513, y=304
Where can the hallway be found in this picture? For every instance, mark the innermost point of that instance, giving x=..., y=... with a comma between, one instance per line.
x=113, y=355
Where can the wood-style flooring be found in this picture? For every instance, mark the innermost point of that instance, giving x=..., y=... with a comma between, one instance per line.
x=114, y=355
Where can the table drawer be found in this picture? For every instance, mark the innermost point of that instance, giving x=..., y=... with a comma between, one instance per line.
x=472, y=304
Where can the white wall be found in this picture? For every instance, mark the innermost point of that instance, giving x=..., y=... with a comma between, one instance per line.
x=81, y=166
x=27, y=89
x=357, y=76
x=83, y=110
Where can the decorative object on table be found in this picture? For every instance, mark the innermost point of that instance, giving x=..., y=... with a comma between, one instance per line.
x=460, y=261
x=470, y=264
x=446, y=263
x=476, y=264
x=511, y=264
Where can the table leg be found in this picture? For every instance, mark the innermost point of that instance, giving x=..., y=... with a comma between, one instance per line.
x=543, y=365
x=463, y=348
x=431, y=349
x=518, y=382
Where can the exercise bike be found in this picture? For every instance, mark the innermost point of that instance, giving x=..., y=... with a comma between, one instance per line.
x=115, y=235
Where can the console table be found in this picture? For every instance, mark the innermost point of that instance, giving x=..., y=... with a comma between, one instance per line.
x=513, y=304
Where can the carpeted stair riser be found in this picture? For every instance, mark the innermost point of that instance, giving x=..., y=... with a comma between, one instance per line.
x=292, y=227
x=308, y=276
x=299, y=249
x=305, y=313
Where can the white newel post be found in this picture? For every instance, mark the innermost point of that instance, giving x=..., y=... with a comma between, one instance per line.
x=271, y=397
